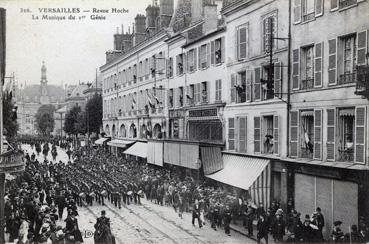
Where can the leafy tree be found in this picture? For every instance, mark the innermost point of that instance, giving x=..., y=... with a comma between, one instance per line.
x=94, y=113
x=9, y=117
x=75, y=121
x=45, y=120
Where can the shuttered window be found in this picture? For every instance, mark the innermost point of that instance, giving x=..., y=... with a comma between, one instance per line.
x=242, y=140
x=222, y=49
x=331, y=134
x=362, y=47
x=318, y=72
x=233, y=88
x=360, y=134
x=294, y=133
x=295, y=68
x=212, y=49
x=318, y=134
x=278, y=79
x=257, y=135
x=276, y=134
x=332, y=64
x=208, y=55
x=257, y=85
x=231, y=136
x=218, y=90
x=242, y=42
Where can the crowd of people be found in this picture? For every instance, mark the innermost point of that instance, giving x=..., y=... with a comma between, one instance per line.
x=37, y=199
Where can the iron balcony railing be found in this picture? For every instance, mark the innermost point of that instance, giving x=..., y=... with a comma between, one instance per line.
x=346, y=78
x=347, y=3
x=362, y=81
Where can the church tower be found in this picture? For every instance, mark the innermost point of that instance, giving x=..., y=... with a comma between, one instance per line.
x=44, y=98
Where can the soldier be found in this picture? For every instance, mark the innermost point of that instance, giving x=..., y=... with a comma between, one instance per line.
x=227, y=220
x=196, y=213
x=278, y=228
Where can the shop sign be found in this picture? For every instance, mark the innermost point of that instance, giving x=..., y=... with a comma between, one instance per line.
x=11, y=162
x=203, y=112
x=176, y=114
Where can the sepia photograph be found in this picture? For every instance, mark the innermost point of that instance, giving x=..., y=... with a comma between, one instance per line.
x=184, y=121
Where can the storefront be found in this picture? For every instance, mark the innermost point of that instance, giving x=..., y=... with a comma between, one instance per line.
x=340, y=192
x=205, y=124
x=176, y=124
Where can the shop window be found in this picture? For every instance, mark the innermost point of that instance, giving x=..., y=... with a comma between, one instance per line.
x=268, y=134
x=307, y=134
x=346, y=123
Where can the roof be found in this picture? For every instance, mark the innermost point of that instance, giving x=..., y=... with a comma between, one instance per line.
x=32, y=93
x=78, y=91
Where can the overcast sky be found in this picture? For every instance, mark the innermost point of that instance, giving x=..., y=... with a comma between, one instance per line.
x=72, y=50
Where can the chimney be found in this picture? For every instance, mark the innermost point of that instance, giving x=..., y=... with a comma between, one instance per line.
x=196, y=10
x=118, y=38
x=210, y=18
x=166, y=12
x=122, y=31
x=152, y=14
x=139, y=34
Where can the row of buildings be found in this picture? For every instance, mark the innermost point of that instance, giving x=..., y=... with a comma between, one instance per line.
x=29, y=98
x=266, y=96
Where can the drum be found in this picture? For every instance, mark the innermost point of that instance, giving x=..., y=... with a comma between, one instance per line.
x=129, y=193
x=104, y=193
x=82, y=194
x=92, y=194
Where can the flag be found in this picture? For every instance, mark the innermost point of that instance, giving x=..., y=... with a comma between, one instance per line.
x=150, y=102
x=157, y=99
x=133, y=103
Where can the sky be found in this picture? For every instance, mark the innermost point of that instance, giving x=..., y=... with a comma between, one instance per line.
x=71, y=49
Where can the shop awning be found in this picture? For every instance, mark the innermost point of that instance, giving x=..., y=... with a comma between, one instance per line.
x=307, y=113
x=155, y=152
x=211, y=158
x=119, y=143
x=138, y=149
x=100, y=141
x=347, y=112
x=240, y=171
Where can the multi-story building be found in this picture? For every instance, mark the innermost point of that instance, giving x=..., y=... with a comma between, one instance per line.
x=256, y=88
x=328, y=121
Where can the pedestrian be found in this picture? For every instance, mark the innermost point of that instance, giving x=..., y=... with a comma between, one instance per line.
x=278, y=228
x=263, y=229
x=196, y=213
x=320, y=222
x=227, y=220
x=102, y=232
x=307, y=231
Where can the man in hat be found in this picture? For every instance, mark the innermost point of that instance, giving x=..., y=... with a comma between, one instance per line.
x=320, y=222
x=278, y=228
x=337, y=234
x=196, y=213
x=263, y=229
x=307, y=231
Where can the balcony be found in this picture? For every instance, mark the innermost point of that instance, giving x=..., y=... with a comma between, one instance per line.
x=307, y=84
x=346, y=78
x=346, y=155
x=347, y=3
x=305, y=152
x=362, y=81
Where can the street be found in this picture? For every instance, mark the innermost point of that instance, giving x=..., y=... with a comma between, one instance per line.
x=146, y=223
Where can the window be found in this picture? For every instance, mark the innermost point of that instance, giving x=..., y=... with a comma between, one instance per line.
x=231, y=134
x=348, y=62
x=191, y=94
x=204, y=92
x=308, y=10
x=307, y=134
x=147, y=69
x=160, y=61
x=241, y=87
x=191, y=60
x=170, y=67
x=203, y=56
x=269, y=32
x=307, y=68
x=170, y=98
x=218, y=51
x=268, y=134
x=134, y=74
x=153, y=66
x=140, y=70
x=242, y=36
x=180, y=89
x=346, y=123
x=218, y=90
x=267, y=85
x=180, y=64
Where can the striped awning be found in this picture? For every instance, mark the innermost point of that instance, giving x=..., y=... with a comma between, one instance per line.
x=138, y=149
x=100, y=141
x=347, y=112
x=119, y=143
x=307, y=113
x=252, y=174
x=211, y=158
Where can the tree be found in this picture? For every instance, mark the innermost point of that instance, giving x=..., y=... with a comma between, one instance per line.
x=94, y=113
x=9, y=117
x=45, y=120
x=75, y=121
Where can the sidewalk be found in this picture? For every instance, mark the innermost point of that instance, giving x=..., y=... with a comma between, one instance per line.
x=243, y=231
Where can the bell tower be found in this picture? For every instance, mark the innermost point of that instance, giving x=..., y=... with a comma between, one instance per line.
x=44, y=98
